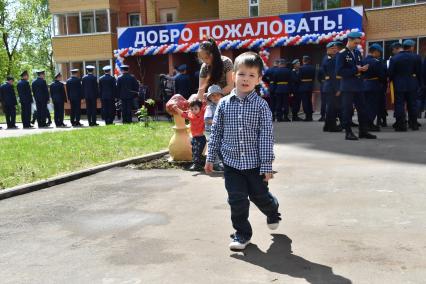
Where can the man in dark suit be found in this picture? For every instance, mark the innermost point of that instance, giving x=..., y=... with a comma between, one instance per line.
x=183, y=82
x=26, y=99
x=284, y=80
x=59, y=98
x=75, y=95
x=306, y=77
x=108, y=93
x=41, y=96
x=127, y=89
x=9, y=102
x=90, y=89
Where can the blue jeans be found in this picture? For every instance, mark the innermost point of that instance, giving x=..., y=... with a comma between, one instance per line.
x=198, y=143
x=244, y=186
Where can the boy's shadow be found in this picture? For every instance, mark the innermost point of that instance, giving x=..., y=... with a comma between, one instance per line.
x=280, y=259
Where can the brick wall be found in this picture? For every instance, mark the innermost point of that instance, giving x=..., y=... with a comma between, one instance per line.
x=198, y=9
x=399, y=22
x=60, y=6
x=79, y=48
x=240, y=8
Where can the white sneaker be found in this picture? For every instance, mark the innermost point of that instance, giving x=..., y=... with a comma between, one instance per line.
x=238, y=243
x=273, y=226
x=274, y=222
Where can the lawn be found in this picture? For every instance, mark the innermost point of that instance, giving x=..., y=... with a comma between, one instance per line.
x=34, y=157
x=19, y=120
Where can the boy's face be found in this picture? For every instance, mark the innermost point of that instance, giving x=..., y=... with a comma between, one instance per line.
x=215, y=98
x=195, y=109
x=246, y=78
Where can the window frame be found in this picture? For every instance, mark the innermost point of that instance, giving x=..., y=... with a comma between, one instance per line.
x=400, y=40
x=254, y=5
x=134, y=14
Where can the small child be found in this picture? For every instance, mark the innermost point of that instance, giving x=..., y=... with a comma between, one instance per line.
x=242, y=133
x=214, y=94
x=198, y=142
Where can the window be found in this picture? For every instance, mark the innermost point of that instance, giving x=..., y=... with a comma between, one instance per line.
x=253, y=8
x=318, y=4
x=134, y=19
x=366, y=3
x=420, y=46
x=86, y=22
x=332, y=4
x=168, y=15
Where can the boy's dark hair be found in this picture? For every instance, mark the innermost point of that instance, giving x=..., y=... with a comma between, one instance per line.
x=249, y=59
x=195, y=103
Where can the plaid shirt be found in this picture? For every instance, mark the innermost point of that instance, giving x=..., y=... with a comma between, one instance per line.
x=242, y=132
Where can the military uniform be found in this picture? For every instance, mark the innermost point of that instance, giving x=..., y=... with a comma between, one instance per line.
x=26, y=99
x=351, y=83
x=283, y=80
x=373, y=86
x=422, y=93
x=9, y=102
x=75, y=95
x=108, y=93
x=268, y=79
x=41, y=96
x=297, y=97
x=305, y=78
x=321, y=80
x=90, y=89
x=183, y=82
x=59, y=98
x=405, y=73
x=127, y=89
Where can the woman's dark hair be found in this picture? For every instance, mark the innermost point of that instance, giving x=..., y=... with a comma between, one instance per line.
x=249, y=59
x=216, y=69
x=195, y=103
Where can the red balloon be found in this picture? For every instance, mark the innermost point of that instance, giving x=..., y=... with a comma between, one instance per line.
x=177, y=100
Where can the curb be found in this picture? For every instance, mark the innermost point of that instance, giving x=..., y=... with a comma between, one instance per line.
x=39, y=185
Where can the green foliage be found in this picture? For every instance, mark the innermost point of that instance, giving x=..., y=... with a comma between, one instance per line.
x=34, y=157
x=143, y=113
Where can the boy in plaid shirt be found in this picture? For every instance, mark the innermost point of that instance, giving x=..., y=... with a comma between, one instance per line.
x=242, y=133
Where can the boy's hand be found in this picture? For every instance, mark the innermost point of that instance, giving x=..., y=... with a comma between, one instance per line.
x=208, y=168
x=268, y=176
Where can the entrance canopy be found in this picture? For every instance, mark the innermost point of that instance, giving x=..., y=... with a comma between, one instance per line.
x=317, y=27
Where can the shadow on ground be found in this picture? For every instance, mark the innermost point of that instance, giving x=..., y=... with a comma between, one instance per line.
x=279, y=258
x=408, y=147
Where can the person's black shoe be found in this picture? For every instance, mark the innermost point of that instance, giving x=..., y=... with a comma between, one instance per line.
x=384, y=123
x=326, y=128
x=374, y=128
x=425, y=115
x=366, y=135
x=414, y=126
x=350, y=136
x=196, y=168
x=322, y=118
x=400, y=126
x=308, y=119
x=296, y=118
x=353, y=124
x=419, y=115
x=335, y=128
x=286, y=119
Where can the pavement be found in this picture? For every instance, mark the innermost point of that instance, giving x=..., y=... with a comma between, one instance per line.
x=354, y=212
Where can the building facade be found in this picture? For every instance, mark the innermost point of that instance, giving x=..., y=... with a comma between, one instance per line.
x=89, y=31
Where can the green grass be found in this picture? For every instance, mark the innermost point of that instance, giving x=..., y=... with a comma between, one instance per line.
x=34, y=157
x=19, y=120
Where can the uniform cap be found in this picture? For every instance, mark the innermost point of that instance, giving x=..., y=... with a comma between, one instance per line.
x=58, y=74
x=375, y=46
x=182, y=67
x=24, y=73
x=331, y=44
x=295, y=61
x=107, y=68
x=124, y=67
x=74, y=70
x=39, y=72
x=90, y=67
x=395, y=45
x=338, y=43
x=306, y=57
x=355, y=35
x=214, y=89
x=408, y=42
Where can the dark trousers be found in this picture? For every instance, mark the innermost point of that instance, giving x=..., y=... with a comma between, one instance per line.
x=323, y=104
x=307, y=103
x=295, y=106
x=421, y=100
x=59, y=113
x=41, y=114
x=331, y=108
x=405, y=97
x=373, y=104
x=91, y=111
x=26, y=114
x=244, y=186
x=126, y=110
x=198, y=143
x=75, y=111
x=383, y=113
x=10, y=113
x=349, y=99
x=108, y=110
x=281, y=105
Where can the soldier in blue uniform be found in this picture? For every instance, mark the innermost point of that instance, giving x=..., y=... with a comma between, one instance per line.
x=349, y=67
x=89, y=85
x=283, y=80
x=59, y=98
x=405, y=73
x=9, y=102
x=306, y=77
x=26, y=99
x=75, y=95
x=41, y=96
x=374, y=78
x=183, y=82
x=268, y=79
x=127, y=89
x=297, y=98
x=108, y=94
x=321, y=80
x=330, y=88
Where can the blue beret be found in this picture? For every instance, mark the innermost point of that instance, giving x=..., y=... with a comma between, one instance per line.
x=375, y=46
x=408, y=42
x=354, y=35
x=395, y=45
x=182, y=67
x=330, y=44
x=295, y=61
